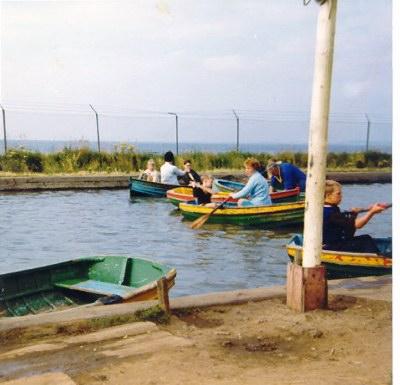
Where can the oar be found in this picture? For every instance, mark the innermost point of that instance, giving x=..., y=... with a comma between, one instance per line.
x=384, y=205
x=204, y=218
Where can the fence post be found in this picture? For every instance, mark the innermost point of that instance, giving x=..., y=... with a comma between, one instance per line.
x=4, y=128
x=237, y=129
x=176, y=131
x=97, y=126
x=368, y=127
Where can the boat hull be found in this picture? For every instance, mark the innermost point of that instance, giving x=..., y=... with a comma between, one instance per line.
x=81, y=281
x=278, y=215
x=223, y=185
x=143, y=188
x=181, y=195
x=340, y=264
x=276, y=197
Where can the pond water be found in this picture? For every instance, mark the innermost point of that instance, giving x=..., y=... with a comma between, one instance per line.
x=42, y=228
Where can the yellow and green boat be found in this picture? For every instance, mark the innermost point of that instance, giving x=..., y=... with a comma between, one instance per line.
x=105, y=279
x=185, y=195
x=275, y=215
x=342, y=264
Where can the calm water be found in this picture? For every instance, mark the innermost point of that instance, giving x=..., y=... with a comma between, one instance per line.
x=48, y=227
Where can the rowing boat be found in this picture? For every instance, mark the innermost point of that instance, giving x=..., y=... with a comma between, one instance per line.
x=81, y=281
x=292, y=195
x=224, y=185
x=181, y=194
x=275, y=215
x=185, y=195
x=342, y=264
x=144, y=188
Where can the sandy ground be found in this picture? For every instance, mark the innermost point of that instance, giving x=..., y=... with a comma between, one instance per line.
x=254, y=343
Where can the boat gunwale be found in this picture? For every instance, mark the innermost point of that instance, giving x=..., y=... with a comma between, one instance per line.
x=164, y=186
x=385, y=262
x=243, y=211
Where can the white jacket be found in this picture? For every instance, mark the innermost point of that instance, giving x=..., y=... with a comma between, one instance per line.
x=170, y=173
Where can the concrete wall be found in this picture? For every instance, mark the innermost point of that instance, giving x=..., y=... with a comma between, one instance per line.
x=79, y=182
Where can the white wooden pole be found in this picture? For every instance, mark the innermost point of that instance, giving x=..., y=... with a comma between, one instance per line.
x=318, y=134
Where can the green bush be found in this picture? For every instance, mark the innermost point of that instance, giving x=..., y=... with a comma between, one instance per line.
x=34, y=161
x=125, y=158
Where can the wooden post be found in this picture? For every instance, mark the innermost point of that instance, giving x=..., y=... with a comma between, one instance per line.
x=162, y=293
x=306, y=285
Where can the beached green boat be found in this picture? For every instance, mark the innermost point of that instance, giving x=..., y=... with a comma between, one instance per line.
x=108, y=279
x=275, y=215
x=345, y=264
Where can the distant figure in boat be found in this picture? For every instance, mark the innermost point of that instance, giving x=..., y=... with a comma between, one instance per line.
x=169, y=172
x=190, y=174
x=255, y=192
x=150, y=174
x=339, y=227
x=286, y=176
x=203, y=191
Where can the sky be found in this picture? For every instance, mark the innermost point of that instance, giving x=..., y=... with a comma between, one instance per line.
x=202, y=58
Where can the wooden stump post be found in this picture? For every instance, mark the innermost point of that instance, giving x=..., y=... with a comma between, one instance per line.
x=307, y=288
x=162, y=292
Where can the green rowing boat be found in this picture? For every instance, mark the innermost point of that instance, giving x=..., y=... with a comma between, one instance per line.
x=109, y=279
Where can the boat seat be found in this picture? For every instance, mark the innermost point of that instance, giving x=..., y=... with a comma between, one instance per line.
x=97, y=287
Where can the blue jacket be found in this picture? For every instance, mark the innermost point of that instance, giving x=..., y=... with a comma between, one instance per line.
x=292, y=177
x=256, y=190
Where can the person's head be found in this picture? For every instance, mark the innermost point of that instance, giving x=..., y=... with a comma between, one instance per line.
x=151, y=164
x=187, y=165
x=169, y=157
x=206, y=181
x=333, y=192
x=251, y=166
x=273, y=167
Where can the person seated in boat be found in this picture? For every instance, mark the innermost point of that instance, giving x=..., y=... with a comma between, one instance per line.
x=286, y=176
x=339, y=226
x=255, y=192
x=150, y=174
x=169, y=172
x=190, y=174
x=203, y=191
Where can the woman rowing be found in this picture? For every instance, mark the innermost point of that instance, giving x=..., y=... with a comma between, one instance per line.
x=255, y=192
x=339, y=227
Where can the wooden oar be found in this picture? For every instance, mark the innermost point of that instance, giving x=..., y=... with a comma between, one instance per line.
x=204, y=218
x=384, y=205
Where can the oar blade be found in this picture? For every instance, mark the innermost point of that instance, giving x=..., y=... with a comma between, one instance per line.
x=200, y=221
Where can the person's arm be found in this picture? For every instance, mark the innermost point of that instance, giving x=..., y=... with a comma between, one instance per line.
x=178, y=172
x=362, y=221
x=245, y=191
x=272, y=185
